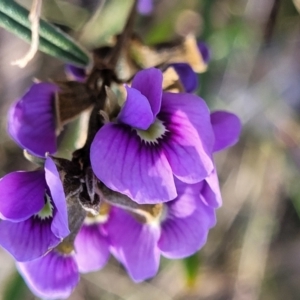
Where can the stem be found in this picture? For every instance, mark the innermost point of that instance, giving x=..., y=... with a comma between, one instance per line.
x=124, y=37
x=271, y=23
x=106, y=73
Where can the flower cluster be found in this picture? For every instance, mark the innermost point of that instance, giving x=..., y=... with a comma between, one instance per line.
x=143, y=185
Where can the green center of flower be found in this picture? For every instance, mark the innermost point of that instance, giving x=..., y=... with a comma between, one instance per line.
x=153, y=133
x=47, y=210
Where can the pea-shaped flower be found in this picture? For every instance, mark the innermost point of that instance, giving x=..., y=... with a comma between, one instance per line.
x=31, y=121
x=179, y=230
x=155, y=136
x=33, y=211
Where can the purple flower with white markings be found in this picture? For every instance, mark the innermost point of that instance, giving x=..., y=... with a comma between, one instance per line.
x=178, y=231
x=182, y=226
x=155, y=136
x=53, y=276
x=91, y=244
x=31, y=121
x=33, y=212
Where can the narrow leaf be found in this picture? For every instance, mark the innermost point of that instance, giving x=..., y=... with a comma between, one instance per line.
x=15, y=288
x=107, y=21
x=44, y=45
x=53, y=41
x=192, y=265
x=61, y=12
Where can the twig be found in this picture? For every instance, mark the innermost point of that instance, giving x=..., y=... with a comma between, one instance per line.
x=271, y=23
x=34, y=18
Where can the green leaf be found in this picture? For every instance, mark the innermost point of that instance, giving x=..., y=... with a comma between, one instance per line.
x=53, y=41
x=192, y=265
x=15, y=289
x=105, y=23
x=61, y=12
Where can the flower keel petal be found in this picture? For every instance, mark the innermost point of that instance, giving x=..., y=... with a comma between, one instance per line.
x=134, y=245
x=92, y=248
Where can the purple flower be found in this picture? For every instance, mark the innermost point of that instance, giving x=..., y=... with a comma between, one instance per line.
x=33, y=212
x=187, y=76
x=63, y=264
x=227, y=128
x=210, y=191
x=91, y=244
x=155, y=136
x=53, y=276
x=183, y=224
x=75, y=73
x=205, y=51
x=180, y=230
x=145, y=7
x=31, y=120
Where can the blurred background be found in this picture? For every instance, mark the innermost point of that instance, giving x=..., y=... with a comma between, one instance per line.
x=254, y=250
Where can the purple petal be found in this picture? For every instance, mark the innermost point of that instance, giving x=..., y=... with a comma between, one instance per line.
x=149, y=83
x=227, y=128
x=126, y=164
x=31, y=119
x=92, y=248
x=186, y=226
x=53, y=276
x=60, y=219
x=205, y=52
x=134, y=244
x=188, y=196
x=187, y=76
x=22, y=195
x=189, y=147
x=211, y=190
x=145, y=7
x=75, y=73
x=136, y=110
x=29, y=239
